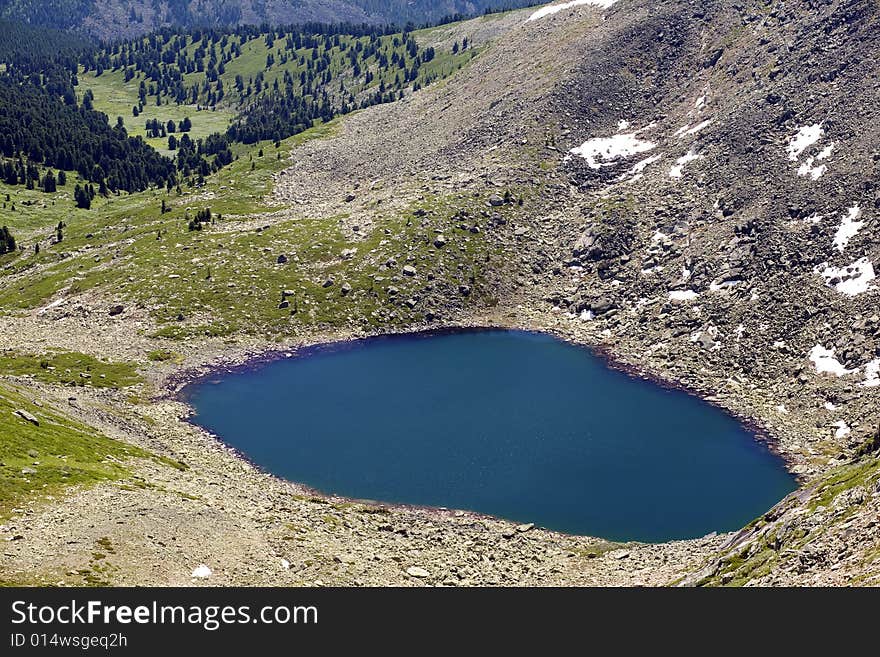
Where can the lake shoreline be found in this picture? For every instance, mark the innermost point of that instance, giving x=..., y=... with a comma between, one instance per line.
x=176, y=389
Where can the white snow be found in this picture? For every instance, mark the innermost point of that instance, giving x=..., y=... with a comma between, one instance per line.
x=842, y=429
x=611, y=148
x=552, y=9
x=587, y=315
x=849, y=227
x=640, y=166
x=717, y=287
x=872, y=374
x=830, y=406
x=700, y=102
x=690, y=156
x=201, y=572
x=805, y=137
x=825, y=152
x=825, y=363
x=807, y=169
x=683, y=295
x=622, y=125
x=853, y=279
x=682, y=132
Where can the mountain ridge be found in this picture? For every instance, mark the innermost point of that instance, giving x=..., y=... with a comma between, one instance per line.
x=112, y=19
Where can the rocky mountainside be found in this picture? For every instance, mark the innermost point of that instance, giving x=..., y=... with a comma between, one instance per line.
x=111, y=19
x=698, y=202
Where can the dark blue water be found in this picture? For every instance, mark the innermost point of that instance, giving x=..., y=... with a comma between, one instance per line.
x=511, y=424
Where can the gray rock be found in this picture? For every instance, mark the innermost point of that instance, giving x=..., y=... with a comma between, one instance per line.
x=346, y=288
x=282, y=259
x=24, y=415
x=496, y=201
x=440, y=241
x=417, y=571
x=409, y=270
x=329, y=282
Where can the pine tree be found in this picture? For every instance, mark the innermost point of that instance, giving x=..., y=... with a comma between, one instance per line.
x=48, y=183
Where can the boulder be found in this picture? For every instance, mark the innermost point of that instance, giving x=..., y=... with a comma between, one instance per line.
x=24, y=415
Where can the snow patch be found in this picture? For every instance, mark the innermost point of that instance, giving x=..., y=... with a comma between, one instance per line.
x=850, y=280
x=872, y=374
x=825, y=153
x=686, y=130
x=825, y=363
x=842, y=429
x=849, y=227
x=609, y=149
x=683, y=295
x=690, y=156
x=723, y=285
x=807, y=169
x=552, y=9
x=622, y=125
x=201, y=572
x=805, y=137
x=700, y=102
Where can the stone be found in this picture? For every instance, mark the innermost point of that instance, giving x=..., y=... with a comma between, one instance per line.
x=329, y=282
x=526, y=527
x=284, y=304
x=28, y=471
x=282, y=259
x=287, y=293
x=496, y=201
x=116, y=310
x=392, y=291
x=24, y=415
x=346, y=288
x=440, y=241
x=349, y=198
x=409, y=270
x=411, y=303
x=417, y=571
x=465, y=290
